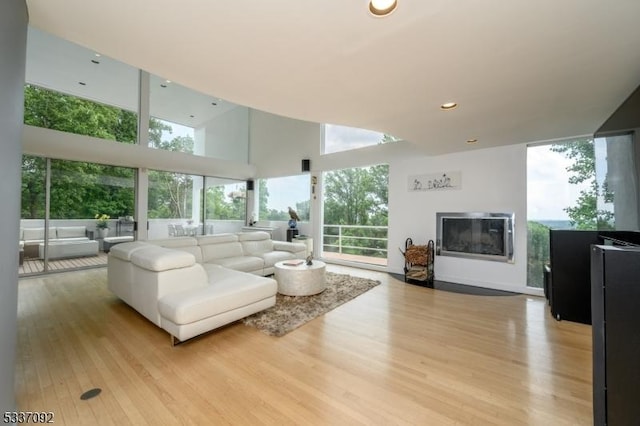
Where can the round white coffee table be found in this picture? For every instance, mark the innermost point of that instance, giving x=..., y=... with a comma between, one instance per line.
x=300, y=280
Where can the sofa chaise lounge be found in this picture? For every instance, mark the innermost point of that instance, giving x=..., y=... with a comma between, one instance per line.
x=191, y=285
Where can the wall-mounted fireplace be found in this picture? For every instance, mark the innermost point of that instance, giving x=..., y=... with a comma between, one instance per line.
x=486, y=236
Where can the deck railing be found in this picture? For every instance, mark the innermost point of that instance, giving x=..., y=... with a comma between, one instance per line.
x=360, y=240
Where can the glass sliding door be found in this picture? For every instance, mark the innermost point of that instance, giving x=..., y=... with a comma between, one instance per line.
x=88, y=206
x=32, y=217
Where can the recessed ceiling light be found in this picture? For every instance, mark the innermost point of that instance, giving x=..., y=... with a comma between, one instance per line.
x=168, y=81
x=97, y=55
x=382, y=7
x=448, y=105
x=471, y=141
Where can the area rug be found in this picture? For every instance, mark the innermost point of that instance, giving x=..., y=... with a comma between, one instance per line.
x=290, y=312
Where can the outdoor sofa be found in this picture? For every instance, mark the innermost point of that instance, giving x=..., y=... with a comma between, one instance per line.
x=64, y=242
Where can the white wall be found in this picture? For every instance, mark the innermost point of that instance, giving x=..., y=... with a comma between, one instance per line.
x=493, y=180
x=227, y=136
x=278, y=144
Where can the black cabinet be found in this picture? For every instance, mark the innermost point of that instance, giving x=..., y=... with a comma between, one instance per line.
x=569, y=281
x=615, y=300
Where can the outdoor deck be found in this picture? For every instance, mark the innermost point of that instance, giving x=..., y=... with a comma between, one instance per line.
x=36, y=266
x=327, y=255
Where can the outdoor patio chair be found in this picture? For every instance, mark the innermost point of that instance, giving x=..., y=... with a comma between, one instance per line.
x=180, y=232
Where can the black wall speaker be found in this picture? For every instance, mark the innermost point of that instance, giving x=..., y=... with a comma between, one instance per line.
x=249, y=185
x=306, y=165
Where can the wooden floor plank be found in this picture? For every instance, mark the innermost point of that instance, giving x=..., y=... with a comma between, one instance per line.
x=398, y=354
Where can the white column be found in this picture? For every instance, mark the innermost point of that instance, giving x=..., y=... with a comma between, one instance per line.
x=142, y=176
x=142, y=203
x=13, y=47
x=316, y=212
x=196, y=210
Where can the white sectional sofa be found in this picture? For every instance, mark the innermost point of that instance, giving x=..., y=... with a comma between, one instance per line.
x=64, y=241
x=188, y=286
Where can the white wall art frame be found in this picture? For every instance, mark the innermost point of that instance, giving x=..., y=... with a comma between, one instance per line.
x=435, y=181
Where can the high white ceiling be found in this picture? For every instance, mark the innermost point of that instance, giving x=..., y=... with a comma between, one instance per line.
x=520, y=71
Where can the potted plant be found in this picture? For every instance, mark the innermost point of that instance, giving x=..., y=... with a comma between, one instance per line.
x=102, y=224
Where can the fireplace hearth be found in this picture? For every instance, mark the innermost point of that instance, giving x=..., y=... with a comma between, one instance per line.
x=484, y=236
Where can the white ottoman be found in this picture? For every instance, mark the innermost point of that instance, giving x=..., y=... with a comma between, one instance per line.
x=300, y=280
x=61, y=250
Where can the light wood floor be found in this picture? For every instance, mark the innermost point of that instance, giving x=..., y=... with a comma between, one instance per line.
x=398, y=354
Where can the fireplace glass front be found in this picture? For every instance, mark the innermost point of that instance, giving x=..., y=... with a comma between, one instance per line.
x=487, y=236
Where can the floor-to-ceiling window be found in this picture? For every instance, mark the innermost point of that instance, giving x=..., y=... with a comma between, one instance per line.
x=68, y=209
x=562, y=193
x=173, y=208
x=356, y=215
x=273, y=197
x=583, y=183
x=225, y=205
x=276, y=195
x=189, y=205
x=75, y=90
